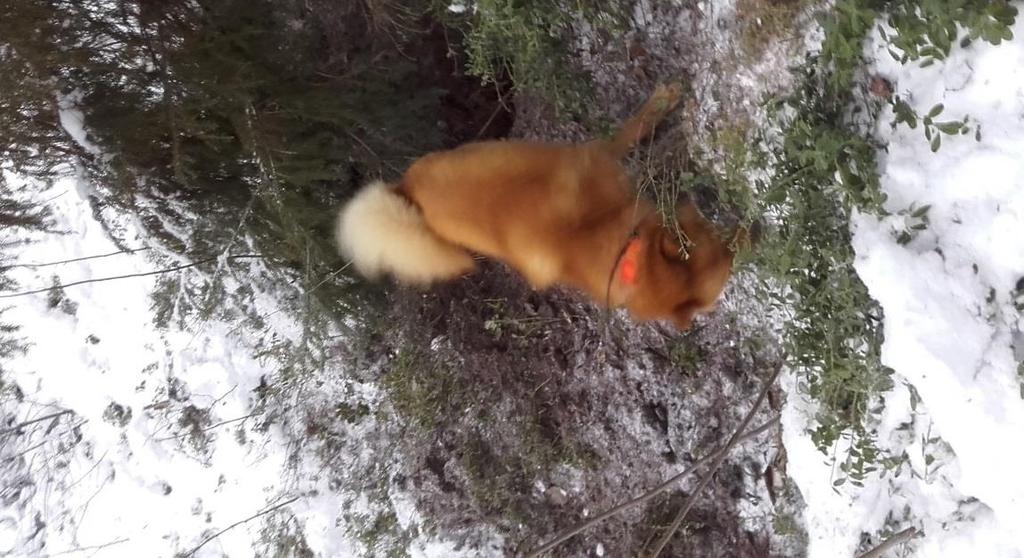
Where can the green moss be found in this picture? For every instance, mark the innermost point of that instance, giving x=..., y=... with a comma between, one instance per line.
x=423, y=390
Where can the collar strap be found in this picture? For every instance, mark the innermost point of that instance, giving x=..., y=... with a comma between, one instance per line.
x=628, y=262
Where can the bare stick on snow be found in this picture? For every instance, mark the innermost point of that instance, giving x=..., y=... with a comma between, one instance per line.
x=275, y=507
x=144, y=274
x=19, y=426
x=83, y=258
x=893, y=541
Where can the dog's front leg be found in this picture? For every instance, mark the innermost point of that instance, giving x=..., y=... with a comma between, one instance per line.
x=643, y=122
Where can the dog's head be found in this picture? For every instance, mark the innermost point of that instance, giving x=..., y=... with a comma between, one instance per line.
x=669, y=282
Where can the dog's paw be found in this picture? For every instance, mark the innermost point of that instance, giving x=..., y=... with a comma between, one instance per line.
x=667, y=96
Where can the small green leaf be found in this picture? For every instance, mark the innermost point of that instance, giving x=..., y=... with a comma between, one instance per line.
x=921, y=211
x=936, y=110
x=775, y=196
x=932, y=52
x=949, y=128
x=936, y=143
x=951, y=30
x=993, y=35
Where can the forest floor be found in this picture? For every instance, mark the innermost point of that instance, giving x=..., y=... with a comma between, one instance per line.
x=481, y=418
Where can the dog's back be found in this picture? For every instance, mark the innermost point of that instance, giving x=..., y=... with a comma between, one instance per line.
x=556, y=213
x=527, y=204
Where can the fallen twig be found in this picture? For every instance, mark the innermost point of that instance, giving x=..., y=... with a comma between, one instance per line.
x=26, y=451
x=577, y=529
x=719, y=459
x=92, y=547
x=275, y=507
x=19, y=426
x=83, y=258
x=206, y=428
x=130, y=275
x=895, y=540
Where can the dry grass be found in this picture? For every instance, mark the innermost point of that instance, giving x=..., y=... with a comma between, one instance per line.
x=763, y=22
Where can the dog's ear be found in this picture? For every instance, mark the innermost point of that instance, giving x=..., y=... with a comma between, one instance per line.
x=688, y=215
x=669, y=245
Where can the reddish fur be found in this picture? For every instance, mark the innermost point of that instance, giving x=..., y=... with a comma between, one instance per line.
x=561, y=213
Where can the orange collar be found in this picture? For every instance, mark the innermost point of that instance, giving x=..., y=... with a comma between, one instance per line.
x=629, y=261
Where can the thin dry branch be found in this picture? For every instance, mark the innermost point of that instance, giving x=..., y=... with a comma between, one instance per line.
x=893, y=541
x=84, y=258
x=28, y=450
x=207, y=428
x=719, y=459
x=130, y=275
x=92, y=547
x=21, y=425
x=577, y=529
x=273, y=508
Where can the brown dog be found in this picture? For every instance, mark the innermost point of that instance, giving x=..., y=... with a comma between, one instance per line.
x=557, y=213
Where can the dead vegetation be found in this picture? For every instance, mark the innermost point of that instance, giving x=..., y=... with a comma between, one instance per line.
x=529, y=412
x=762, y=23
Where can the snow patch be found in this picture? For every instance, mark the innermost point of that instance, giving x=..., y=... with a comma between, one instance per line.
x=163, y=444
x=73, y=121
x=955, y=417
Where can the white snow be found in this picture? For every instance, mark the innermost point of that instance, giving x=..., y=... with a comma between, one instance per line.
x=950, y=322
x=139, y=487
x=145, y=488
x=73, y=121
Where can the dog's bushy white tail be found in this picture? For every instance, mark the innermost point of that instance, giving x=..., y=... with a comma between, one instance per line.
x=382, y=232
